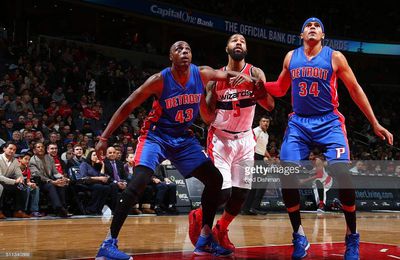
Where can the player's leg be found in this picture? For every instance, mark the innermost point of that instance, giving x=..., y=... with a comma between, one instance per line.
x=340, y=173
x=242, y=150
x=321, y=195
x=147, y=157
x=333, y=137
x=191, y=160
x=220, y=152
x=294, y=149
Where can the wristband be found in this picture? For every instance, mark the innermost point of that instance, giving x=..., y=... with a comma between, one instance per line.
x=103, y=138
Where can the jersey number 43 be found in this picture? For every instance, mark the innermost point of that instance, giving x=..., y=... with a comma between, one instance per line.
x=184, y=115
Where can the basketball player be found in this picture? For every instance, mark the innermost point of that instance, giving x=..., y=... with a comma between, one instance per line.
x=321, y=180
x=230, y=110
x=165, y=135
x=312, y=71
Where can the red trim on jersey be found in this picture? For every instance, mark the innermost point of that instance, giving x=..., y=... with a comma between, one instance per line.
x=334, y=94
x=139, y=148
x=210, y=144
x=152, y=117
x=343, y=126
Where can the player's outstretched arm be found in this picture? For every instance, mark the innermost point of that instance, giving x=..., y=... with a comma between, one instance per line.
x=152, y=86
x=346, y=74
x=280, y=87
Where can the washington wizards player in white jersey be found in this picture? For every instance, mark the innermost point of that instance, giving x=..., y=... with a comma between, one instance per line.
x=165, y=135
x=231, y=144
x=312, y=71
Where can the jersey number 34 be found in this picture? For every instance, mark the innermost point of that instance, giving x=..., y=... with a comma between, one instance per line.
x=304, y=91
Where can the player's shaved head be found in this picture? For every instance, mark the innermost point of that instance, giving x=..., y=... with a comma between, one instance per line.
x=177, y=44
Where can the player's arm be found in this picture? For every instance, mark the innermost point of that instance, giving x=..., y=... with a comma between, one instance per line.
x=268, y=101
x=208, y=103
x=346, y=74
x=209, y=74
x=280, y=87
x=152, y=86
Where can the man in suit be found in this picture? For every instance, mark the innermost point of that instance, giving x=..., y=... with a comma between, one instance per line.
x=117, y=175
x=11, y=178
x=52, y=182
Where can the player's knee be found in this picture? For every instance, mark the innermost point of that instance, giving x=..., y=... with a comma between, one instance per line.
x=142, y=176
x=209, y=175
x=291, y=197
x=239, y=194
x=224, y=196
x=341, y=174
x=236, y=201
x=288, y=177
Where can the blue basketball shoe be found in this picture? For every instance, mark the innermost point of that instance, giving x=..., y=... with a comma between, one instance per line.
x=301, y=246
x=352, y=247
x=208, y=246
x=109, y=251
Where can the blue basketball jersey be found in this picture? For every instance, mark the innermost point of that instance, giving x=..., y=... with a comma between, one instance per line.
x=314, y=86
x=177, y=108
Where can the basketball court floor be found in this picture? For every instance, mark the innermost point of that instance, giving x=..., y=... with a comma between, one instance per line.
x=166, y=237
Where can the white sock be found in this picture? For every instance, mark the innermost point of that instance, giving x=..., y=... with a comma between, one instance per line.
x=300, y=231
x=108, y=236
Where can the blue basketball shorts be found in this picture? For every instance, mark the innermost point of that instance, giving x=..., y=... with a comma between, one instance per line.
x=303, y=133
x=184, y=152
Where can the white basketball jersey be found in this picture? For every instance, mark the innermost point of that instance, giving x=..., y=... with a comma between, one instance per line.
x=235, y=108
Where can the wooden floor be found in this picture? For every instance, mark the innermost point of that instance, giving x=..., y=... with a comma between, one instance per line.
x=80, y=238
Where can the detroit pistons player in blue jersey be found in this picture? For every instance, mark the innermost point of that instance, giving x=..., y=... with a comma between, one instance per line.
x=165, y=135
x=230, y=113
x=312, y=71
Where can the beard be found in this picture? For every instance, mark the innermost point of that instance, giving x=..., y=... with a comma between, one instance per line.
x=237, y=56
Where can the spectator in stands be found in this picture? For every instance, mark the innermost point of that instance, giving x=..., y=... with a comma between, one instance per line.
x=32, y=200
x=7, y=131
x=165, y=199
x=92, y=169
x=17, y=139
x=38, y=107
x=115, y=170
x=58, y=95
x=67, y=155
x=78, y=157
x=12, y=180
x=28, y=137
x=129, y=166
x=52, y=182
x=52, y=150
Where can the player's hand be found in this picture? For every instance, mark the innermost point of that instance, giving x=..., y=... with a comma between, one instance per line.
x=259, y=91
x=100, y=148
x=240, y=79
x=383, y=133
